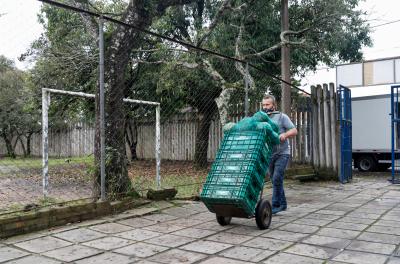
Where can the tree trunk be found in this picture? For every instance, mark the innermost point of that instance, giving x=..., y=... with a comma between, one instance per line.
x=10, y=149
x=22, y=145
x=117, y=57
x=131, y=138
x=202, y=137
x=28, y=144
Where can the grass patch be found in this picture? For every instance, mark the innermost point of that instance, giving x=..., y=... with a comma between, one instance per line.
x=36, y=162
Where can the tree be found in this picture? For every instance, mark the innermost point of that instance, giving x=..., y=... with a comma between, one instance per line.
x=321, y=31
x=17, y=119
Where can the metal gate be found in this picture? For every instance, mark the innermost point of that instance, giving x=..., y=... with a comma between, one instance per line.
x=344, y=104
x=395, y=122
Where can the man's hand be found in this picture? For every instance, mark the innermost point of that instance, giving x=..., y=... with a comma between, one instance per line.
x=282, y=137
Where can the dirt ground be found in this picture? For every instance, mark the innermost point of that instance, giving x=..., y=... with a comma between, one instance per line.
x=22, y=186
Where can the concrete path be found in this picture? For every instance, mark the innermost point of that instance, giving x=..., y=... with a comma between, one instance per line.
x=325, y=223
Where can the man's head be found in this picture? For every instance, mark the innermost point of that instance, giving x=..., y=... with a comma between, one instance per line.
x=269, y=103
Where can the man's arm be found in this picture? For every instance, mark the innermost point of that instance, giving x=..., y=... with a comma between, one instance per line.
x=288, y=134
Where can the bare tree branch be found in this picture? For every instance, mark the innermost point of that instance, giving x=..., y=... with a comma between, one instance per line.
x=91, y=25
x=226, y=5
x=239, y=66
x=164, y=4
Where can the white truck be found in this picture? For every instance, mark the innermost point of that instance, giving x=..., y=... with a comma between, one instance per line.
x=371, y=132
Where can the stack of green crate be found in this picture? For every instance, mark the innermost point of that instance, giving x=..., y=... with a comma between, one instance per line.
x=237, y=176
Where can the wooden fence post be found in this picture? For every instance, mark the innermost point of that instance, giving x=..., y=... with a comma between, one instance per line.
x=320, y=128
x=314, y=124
x=334, y=135
x=327, y=128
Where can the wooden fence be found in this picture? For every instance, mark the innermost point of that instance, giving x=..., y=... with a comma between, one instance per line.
x=178, y=138
x=325, y=129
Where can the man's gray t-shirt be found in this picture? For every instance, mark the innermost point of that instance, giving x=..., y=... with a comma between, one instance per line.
x=284, y=124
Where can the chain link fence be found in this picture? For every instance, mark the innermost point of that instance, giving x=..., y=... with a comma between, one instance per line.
x=198, y=92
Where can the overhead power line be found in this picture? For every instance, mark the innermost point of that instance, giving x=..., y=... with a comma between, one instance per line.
x=387, y=23
x=94, y=14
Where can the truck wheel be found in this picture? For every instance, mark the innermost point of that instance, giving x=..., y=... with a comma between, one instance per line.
x=366, y=163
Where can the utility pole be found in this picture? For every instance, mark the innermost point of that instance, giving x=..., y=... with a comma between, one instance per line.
x=285, y=64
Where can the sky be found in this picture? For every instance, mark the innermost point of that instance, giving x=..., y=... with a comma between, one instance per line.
x=19, y=27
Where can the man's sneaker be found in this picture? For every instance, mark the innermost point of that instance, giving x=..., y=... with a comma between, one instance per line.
x=276, y=210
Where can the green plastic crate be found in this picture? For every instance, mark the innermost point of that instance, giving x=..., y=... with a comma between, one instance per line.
x=230, y=200
x=237, y=176
x=251, y=170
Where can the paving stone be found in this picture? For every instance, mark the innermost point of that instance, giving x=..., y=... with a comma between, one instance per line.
x=372, y=247
x=387, y=223
x=205, y=216
x=364, y=221
x=213, y=225
x=21, y=238
x=324, y=241
x=247, y=253
x=285, y=258
x=43, y=244
x=393, y=260
x=170, y=240
x=312, y=251
x=72, y=253
x=348, y=226
x=331, y=212
x=160, y=217
x=108, y=243
x=141, y=250
x=59, y=229
x=8, y=253
x=305, y=229
x=107, y=258
x=390, y=217
x=185, y=222
x=196, y=206
x=341, y=233
x=194, y=232
x=380, y=238
x=384, y=230
x=164, y=227
x=322, y=216
x=364, y=215
x=312, y=222
x=247, y=230
x=138, y=222
x=226, y=237
x=397, y=253
x=79, y=235
x=285, y=235
x=221, y=260
x=360, y=257
x=179, y=212
x=33, y=259
x=268, y=243
x=177, y=256
x=146, y=262
x=370, y=210
x=139, y=234
x=205, y=246
x=110, y=228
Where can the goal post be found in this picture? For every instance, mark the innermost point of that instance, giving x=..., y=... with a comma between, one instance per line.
x=46, y=99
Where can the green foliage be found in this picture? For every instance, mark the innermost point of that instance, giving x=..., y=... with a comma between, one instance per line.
x=18, y=117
